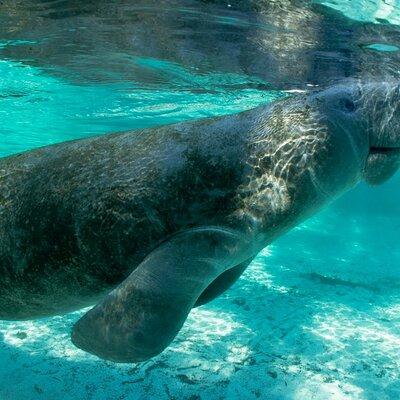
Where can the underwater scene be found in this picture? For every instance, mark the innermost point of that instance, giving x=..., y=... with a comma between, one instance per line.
x=315, y=314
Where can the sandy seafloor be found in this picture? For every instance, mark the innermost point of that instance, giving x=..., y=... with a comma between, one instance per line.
x=316, y=316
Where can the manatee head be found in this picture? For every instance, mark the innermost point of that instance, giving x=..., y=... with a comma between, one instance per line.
x=369, y=114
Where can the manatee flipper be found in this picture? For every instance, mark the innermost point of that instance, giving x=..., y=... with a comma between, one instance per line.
x=144, y=313
x=222, y=283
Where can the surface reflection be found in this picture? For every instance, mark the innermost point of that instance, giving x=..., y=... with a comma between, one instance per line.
x=287, y=43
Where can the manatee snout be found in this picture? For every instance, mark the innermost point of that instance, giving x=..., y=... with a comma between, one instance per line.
x=368, y=115
x=381, y=165
x=382, y=111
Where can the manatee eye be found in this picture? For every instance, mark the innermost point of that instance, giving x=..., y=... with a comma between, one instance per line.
x=348, y=105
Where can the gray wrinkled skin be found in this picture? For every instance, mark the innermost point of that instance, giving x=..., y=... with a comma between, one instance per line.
x=149, y=224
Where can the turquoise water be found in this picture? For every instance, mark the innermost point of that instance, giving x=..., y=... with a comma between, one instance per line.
x=65, y=110
x=380, y=11
x=316, y=315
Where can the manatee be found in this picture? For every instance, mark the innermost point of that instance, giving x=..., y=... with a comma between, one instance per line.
x=148, y=224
